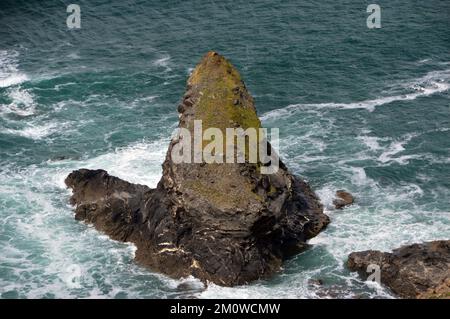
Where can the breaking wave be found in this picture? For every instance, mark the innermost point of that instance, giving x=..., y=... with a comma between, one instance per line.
x=432, y=83
x=9, y=73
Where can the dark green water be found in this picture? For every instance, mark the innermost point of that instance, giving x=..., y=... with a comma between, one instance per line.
x=361, y=109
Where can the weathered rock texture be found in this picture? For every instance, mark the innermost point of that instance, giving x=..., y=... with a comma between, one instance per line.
x=414, y=271
x=224, y=223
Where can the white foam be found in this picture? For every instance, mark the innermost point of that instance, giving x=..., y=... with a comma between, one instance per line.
x=424, y=61
x=13, y=80
x=432, y=83
x=143, y=101
x=59, y=86
x=138, y=163
x=21, y=97
x=396, y=147
x=163, y=62
x=48, y=243
x=73, y=55
x=22, y=102
x=36, y=132
x=372, y=142
x=382, y=217
x=326, y=195
x=9, y=73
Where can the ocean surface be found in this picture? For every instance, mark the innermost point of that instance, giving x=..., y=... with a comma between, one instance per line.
x=366, y=110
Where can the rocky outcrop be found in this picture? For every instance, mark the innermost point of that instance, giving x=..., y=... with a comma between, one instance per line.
x=342, y=199
x=414, y=271
x=225, y=223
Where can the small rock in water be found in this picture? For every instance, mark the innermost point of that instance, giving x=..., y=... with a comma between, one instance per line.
x=343, y=199
x=315, y=282
x=60, y=158
x=189, y=286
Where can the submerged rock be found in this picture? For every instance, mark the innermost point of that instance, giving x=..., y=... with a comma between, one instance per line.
x=225, y=223
x=414, y=271
x=343, y=199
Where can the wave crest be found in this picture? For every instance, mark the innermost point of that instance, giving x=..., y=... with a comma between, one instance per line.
x=432, y=83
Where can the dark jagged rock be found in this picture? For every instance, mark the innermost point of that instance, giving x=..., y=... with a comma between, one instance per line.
x=224, y=223
x=343, y=199
x=315, y=282
x=414, y=271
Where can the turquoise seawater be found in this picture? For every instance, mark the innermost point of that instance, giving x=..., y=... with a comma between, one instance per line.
x=361, y=109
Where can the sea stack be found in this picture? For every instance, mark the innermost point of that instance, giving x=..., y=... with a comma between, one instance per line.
x=227, y=223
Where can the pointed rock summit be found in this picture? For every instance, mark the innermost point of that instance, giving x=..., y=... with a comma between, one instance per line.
x=225, y=223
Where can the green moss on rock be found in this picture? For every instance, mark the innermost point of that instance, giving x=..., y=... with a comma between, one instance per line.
x=223, y=100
